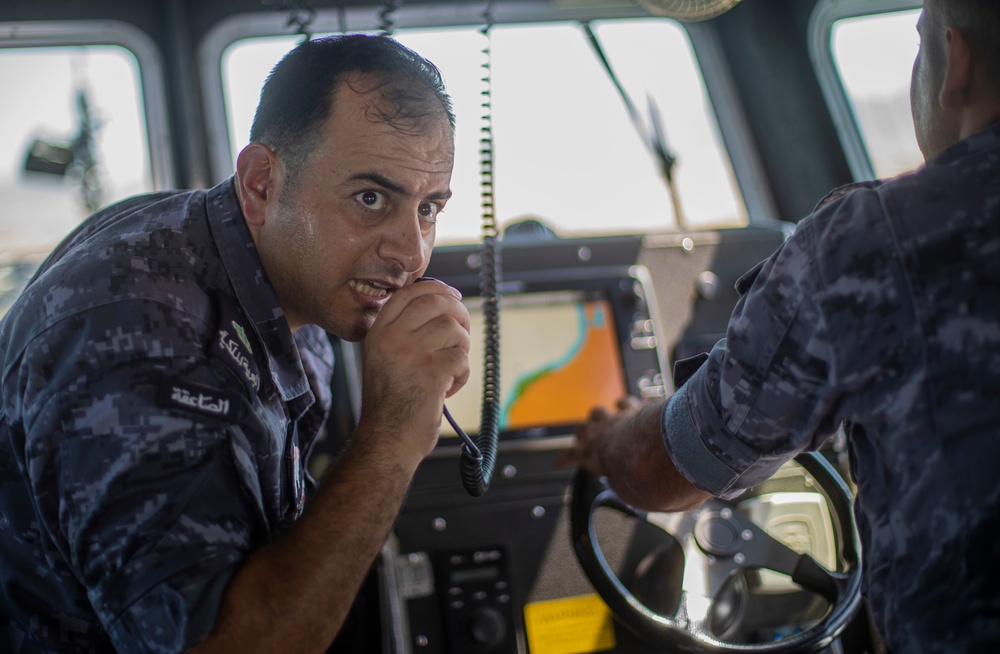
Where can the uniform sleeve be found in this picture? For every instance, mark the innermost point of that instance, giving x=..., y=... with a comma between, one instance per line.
x=767, y=391
x=142, y=500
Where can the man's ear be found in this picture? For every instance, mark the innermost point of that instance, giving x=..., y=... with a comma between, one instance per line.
x=257, y=181
x=956, y=85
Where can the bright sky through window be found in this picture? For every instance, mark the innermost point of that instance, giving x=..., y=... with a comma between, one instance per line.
x=566, y=152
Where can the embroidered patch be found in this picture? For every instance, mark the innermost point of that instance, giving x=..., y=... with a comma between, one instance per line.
x=233, y=352
x=232, y=344
x=203, y=400
x=242, y=334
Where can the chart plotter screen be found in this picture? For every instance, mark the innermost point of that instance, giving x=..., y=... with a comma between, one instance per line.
x=559, y=358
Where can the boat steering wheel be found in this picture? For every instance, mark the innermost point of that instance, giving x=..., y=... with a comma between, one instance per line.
x=720, y=543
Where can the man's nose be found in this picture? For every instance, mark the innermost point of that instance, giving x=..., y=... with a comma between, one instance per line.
x=404, y=241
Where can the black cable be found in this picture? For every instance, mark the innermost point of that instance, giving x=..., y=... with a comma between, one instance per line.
x=479, y=458
x=467, y=442
x=301, y=14
x=386, y=13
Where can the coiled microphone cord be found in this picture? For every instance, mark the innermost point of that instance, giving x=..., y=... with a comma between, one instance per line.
x=479, y=458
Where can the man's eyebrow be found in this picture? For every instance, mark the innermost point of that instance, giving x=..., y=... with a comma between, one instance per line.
x=385, y=182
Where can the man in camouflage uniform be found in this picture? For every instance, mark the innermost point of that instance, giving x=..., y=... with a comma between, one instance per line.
x=882, y=312
x=166, y=371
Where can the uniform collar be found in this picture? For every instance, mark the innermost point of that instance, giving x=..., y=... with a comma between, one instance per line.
x=253, y=290
x=984, y=141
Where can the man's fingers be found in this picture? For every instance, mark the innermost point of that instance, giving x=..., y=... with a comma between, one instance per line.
x=441, y=333
x=584, y=451
x=427, y=299
x=598, y=413
x=460, y=369
x=629, y=402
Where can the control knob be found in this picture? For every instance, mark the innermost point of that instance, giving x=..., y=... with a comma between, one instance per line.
x=486, y=626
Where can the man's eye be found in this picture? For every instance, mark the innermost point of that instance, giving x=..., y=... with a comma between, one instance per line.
x=429, y=211
x=371, y=200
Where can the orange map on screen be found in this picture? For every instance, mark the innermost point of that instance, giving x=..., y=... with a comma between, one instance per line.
x=559, y=360
x=570, y=381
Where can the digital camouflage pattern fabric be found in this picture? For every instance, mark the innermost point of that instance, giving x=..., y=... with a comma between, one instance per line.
x=155, y=414
x=881, y=312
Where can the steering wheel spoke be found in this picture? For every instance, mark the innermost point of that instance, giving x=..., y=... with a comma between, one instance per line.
x=694, y=612
x=765, y=551
x=811, y=575
x=704, y=573
x=762, y=550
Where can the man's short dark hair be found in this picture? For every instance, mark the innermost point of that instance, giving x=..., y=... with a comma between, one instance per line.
x=979, y=21
x=297, y=98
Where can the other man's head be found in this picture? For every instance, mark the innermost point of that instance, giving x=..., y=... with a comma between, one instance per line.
x=955, y=87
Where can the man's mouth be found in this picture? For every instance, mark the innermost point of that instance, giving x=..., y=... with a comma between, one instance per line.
x=370, y=288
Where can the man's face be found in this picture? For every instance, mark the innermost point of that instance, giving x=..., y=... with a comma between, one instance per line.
x=358, y=222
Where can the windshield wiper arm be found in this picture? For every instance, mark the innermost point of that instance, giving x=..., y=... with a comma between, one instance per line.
x=655, y=142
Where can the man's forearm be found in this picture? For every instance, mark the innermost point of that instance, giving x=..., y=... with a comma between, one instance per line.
x=293, y=595
x=640, y=469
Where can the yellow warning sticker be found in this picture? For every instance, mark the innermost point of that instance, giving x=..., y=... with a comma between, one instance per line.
x=572, y=625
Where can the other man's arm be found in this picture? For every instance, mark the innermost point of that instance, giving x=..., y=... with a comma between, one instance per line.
x=628, y=447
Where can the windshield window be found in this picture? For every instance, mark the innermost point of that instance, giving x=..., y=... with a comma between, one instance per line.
x=76, y=141
x=565, y=149
x=874, y=56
